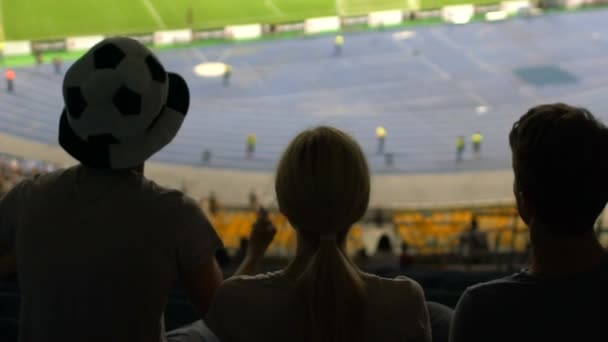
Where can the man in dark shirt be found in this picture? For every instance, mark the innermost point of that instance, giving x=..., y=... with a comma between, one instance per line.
x=561, y=187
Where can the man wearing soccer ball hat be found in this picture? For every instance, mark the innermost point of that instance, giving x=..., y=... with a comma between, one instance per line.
x=98, y=245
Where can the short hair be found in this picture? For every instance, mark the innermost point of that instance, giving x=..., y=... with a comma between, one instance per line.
x=560, y=165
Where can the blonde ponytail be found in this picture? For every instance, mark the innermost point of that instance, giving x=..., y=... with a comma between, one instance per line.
x=330, y=296
x=323, y=187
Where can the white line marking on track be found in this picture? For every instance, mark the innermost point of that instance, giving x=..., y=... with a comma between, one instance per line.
x=154, y=13
x=437, y=33
x=439, y=70
x=436, y=68
x=477, y=98
x=273, y=7
x=200, y=55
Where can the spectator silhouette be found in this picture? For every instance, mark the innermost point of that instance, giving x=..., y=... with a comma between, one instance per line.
x=98, y=245
x=385, y=261
x=379, y=218
x=323, y=186
x=474, y=243
x=214, y=205
x=561, y=188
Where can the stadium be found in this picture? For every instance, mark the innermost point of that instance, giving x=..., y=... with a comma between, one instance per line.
x=429, y=89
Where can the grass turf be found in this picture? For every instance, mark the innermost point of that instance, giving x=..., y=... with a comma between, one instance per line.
x=45, y=19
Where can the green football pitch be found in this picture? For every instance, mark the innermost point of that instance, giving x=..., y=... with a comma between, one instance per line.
x=40, y=19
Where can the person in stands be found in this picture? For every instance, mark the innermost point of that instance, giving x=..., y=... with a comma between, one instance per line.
x=560, y=188
x=323, y=188
x=99, y=246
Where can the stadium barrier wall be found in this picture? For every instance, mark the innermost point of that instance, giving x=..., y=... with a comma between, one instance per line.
x=57, y=45
x=208, y=34
x=82, y=43
x=172, y=37
x=458, y=14
x=290, y=27
x=515, y=7
x=18, y=47
x=240, y=32
x=579, y=3
x=354, y=21
x=385, y=18
x=496, y=15
x=144, y=38
x=319, y=25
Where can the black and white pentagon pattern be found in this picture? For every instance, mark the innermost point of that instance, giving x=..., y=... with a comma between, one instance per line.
x=108, y=56
x=127, y=101
x=157, y=72
x=100, y=114
x=75, y=102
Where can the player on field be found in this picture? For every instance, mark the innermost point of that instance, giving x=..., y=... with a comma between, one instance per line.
x=460, y=146
x=381, y=135
x=227, y=75
x=338, y=43
x=57, y=63
x=476, y=140
x=10, y=80
x=251, y=142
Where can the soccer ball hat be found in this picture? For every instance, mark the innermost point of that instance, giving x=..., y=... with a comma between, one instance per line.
x=121, y=106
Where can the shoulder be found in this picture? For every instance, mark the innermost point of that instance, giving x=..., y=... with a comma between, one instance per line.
x=401, y=296
x=475, y=314
x=499, y=286
x=259, y=281
x=401, y=285
x=244, y=293
x=175, y=201
x=487, y=296
x=251, y=287
x=29, y=186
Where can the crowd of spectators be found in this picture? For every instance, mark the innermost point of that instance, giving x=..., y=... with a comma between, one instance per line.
x=14, y=169
x=97, y=247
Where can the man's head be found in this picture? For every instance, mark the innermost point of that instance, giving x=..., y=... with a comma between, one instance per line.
x=121, y=106
x=560, y=166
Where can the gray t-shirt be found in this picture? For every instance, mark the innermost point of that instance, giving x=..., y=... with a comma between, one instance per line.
x=98, y=251
x=258, y=309
x=523, y=307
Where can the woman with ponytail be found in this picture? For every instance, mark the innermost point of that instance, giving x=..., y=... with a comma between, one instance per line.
x=323, y=188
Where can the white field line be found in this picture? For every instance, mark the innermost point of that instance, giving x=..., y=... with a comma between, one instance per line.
x=1, y=22
x=273, y=7
x=154, y=13
x=340, y=7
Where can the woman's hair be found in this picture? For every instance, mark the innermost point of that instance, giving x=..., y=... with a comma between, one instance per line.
x=323, y=186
